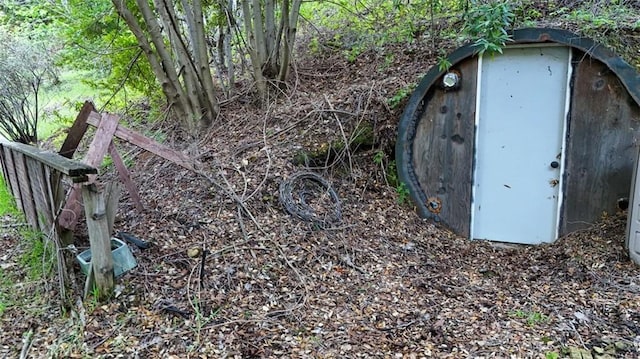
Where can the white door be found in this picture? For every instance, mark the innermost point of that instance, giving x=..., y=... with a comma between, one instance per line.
x=633, y=216
x=521, y=116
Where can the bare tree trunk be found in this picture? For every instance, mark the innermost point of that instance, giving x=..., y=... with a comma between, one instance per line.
x=224, y=61
x=220, y=63
x=184, y=61
x=168, y=87
x=289, y=32
x=184, y=72
x=259, y=40
x=271, y=63
x=155, y=33
x=253, y=48
x=227, y=47
x=202, y=62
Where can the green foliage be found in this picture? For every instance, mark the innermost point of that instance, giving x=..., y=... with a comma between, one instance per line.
x=487, y=24
x=532, y=318
x=551, y=355
x=93, y=300
x=390, y=172
x=7, y=207
x=99, y=58
x=403, y=193
x=7, y=202
x=361, y=25
x=379, y=157
x=25, y=66
x=443, y=63
x=38, y=257
x=392, y=175
x=62, y=102
x=31, y=18
x=361, y=136
x=103, y=47
x=527, y=12
x=5, y=288
x=592, y=15
x=591, y=19
x=314, y=45
x=601, y=22
x=88, y=38
x=388, y=61
x=398, y=98
x=355, y=51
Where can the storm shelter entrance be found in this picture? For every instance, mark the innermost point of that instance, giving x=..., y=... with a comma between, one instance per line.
x=523, y=100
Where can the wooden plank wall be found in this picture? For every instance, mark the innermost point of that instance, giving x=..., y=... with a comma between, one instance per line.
x=34, y=178
x=442, y=153
x=26, y=193
x=603, y=135
x=31, y=186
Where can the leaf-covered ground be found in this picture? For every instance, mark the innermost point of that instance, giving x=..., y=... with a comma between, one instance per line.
x=382, y=283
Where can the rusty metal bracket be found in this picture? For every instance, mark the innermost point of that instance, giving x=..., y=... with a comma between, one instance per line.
x=434, y=205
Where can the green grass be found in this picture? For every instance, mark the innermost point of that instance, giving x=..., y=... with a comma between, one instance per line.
x=7, y=203
x=61, y=103
x=5, y=285
x=532, y=318
x=38, y=257
x=7, y=207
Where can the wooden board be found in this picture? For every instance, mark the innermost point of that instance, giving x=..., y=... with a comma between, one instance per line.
x=67, y=166
x=94, y=157
x=148, y=144
x=77, y=131
x=56, y=192
x=101, y=139
x=604, y=130
x=442, y=153
x=112, y=193
x=123, y=173
x=40, y=191
x=26, y=195
x=100, y=239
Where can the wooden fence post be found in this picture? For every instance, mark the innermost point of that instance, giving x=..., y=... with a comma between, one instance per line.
x=100, y=239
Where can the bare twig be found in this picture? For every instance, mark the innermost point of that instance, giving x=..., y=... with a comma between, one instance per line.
x=346, y=150
x=27, y=339
x=14, y=225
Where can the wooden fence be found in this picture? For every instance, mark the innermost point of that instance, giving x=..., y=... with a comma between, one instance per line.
x=35, y=178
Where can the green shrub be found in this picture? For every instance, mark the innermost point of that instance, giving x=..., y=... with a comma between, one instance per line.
x=398, y=98
x=487, y=24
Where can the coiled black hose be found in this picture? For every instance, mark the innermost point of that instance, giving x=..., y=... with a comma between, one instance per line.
x=311, y=198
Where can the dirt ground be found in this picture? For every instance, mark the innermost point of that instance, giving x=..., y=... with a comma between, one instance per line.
x=379, y=283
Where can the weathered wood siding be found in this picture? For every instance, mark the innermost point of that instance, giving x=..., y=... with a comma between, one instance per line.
x=443, y=148
x=602, y=139
x=33, y=177
x=26, y=193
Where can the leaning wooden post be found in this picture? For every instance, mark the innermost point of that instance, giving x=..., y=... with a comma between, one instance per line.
x=101, y=257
